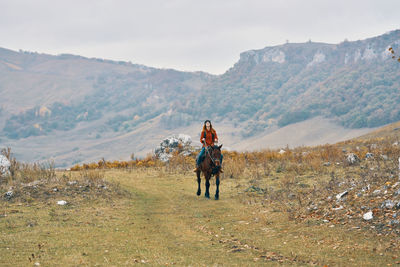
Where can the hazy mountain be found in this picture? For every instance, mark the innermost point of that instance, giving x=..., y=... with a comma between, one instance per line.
x=74, y=109
x=354, y=83
x=42, y=93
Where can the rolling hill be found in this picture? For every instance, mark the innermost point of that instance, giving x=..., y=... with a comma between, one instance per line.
x=72, y=109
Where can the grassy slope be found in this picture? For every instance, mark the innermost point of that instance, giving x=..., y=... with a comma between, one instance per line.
x=389, y=131
x=165, y=223
x=142, y=141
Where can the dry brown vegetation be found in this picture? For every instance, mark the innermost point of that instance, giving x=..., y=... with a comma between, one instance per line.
x=42, y=182
x=275, y=207
x=304, y=182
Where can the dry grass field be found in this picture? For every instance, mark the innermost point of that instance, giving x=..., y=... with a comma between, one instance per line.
x=275, y=208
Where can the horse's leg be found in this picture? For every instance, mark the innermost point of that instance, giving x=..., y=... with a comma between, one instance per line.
x=207, y=194
x=198, y=182
x=217, y=183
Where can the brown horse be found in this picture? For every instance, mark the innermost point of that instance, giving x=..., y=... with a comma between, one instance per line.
x=210, y=166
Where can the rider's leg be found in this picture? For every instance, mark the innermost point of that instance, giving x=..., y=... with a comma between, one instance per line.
x=201, y=156
x=199, y=159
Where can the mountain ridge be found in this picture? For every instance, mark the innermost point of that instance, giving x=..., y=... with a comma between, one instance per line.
x=352, y=84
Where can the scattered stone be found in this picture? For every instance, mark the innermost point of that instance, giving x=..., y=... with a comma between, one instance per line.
x=4, y=165
x=72, y=182
x=281, y=151
x=32, y=184
x=102, y=186
x=327, y=164
x=369, y=155
x=341, y=195
x=62, y=202
x=366, y=188
x=368, y=216
x=9, y=194
x=55, y=189
x=387, y=185
x=397, y=192
x=352, y=158
x=384, y=157
x=376, y=192
x=338, y=208
x=388, y=204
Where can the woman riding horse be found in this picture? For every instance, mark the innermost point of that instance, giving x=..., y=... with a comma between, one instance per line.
x=208, y=137
x=209, y=159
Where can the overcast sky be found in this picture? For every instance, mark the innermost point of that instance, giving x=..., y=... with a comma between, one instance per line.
x=190, y=35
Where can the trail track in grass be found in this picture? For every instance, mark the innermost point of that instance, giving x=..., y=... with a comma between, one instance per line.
x=163, y=222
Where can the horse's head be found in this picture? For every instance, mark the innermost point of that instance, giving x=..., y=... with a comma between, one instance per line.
x=216, y=155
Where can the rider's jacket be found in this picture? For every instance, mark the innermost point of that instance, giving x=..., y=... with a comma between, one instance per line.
x=210, y=136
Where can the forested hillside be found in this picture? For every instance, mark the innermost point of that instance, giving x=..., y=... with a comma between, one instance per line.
x=99, y=102
x=355, y=83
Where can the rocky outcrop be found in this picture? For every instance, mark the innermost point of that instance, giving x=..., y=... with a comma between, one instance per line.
x=180, y=143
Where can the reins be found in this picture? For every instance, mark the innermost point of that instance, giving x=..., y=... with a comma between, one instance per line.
x=209, y=154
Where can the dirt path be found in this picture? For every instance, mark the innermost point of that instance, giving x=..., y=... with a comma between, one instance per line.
x=185, y=229
x=178, y=227
x=164, y=223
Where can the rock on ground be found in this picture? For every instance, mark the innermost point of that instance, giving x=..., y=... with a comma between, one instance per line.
x=180, y=142
x=4, y=165
x=368, y=216
x=352, y=158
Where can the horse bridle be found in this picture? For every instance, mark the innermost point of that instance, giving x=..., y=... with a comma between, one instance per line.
x=211, y=157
